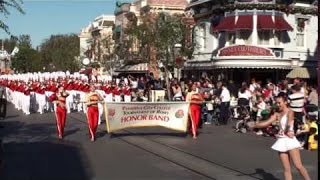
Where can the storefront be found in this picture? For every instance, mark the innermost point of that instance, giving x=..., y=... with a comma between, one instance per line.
x=252, y=39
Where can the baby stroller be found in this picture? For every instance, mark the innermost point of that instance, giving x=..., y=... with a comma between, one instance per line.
x=242, y=115
x=274, y=128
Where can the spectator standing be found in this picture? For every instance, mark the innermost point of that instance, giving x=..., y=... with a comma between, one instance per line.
x=297, y=101
x=225, y=104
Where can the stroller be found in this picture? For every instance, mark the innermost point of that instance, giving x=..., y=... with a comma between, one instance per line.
x=274, y=128
x=242, y=115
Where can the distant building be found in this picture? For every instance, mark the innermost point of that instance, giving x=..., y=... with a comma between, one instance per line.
x=96, y=41
x=129, y=11
x=5, y=61
x=245, y=39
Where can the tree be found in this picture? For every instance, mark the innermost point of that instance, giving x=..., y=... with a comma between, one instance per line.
x=27, y=59
x=59, y=52
x=9, y=44
x=159, y=31
x=156, y=37
x=4, y=5
x=109, y=53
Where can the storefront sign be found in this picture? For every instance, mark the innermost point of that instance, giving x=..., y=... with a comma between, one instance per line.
x=172, y=115
x=245, y=50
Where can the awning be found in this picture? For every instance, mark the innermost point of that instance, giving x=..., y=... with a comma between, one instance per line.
x=226, y=24
x=244, y=22
x=281, y=24
x=302, y=72
x=265, y=22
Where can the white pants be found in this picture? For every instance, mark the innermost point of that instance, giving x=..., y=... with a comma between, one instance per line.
x=41, y=100
x=108, y=97
x=117, y=98
x=127, y=98
x=26, y=104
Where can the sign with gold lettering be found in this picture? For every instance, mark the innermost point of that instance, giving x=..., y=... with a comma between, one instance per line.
x=245, y=50
x=172, y=115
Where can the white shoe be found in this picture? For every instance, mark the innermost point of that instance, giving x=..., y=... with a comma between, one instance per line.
x=259, y=133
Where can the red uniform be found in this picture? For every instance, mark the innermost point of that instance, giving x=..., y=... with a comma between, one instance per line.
x=195, y=110
x=61, y=111
x=93, y=113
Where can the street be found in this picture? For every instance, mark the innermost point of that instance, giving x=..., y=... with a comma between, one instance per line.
x=33, y=152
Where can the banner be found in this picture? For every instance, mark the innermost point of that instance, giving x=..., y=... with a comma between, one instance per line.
x=172, y=115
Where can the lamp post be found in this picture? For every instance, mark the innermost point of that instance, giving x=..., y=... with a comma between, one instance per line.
x=178, y=60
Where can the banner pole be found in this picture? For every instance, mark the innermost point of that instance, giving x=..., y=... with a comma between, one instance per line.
x=106, y=116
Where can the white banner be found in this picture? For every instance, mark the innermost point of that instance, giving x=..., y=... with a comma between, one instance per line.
x=172, y=115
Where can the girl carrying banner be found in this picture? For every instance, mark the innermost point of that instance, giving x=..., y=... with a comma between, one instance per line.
x=195, y=100
x=92, y=100
x=59, y=99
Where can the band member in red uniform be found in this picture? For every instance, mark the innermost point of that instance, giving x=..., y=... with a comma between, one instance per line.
x=59, y=99
x=195, y=100
x=92, y=100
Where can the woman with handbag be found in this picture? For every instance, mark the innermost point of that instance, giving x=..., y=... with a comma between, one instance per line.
x=287, y=145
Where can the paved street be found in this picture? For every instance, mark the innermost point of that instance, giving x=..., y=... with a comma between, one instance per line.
x=32, y=152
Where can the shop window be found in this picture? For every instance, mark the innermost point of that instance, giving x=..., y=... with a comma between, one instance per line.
x=264, y=37
x=277, y=38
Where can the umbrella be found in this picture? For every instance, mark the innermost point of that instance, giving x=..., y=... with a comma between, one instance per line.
x=302, y=72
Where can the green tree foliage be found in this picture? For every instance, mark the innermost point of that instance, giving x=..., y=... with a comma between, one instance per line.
x=4, y=10
x=161, y=31
x=9, y=44
x=27, y=59
x=59, y=52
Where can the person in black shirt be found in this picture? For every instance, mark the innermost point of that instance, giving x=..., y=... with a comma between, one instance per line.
x=3, y=103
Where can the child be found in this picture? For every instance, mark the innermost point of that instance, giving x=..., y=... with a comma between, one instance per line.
x=261, y=105
x=302, y=133
x=313, y=140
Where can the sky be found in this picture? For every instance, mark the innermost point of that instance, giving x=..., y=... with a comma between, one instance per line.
x=43, y=18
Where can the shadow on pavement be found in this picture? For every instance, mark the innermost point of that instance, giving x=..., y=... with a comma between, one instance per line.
x=265, y=175
x=44, y=160
x=115, y=135
x=31, y=132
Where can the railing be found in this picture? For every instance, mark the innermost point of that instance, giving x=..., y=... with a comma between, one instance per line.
x=255, y=1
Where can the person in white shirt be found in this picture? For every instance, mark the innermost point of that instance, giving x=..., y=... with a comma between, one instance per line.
x=244, y=96
x=225, y=104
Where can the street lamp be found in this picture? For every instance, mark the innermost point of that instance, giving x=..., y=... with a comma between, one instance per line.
x=86, y=61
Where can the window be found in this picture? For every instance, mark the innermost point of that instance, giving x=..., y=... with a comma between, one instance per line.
x=300, y=26
x=245, y=36
x=264, y=37
x=231, y=38
x=200, y=32
x=277, y=38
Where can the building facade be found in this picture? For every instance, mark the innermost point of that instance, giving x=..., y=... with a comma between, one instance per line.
x=247, y=39
x=96, y=41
